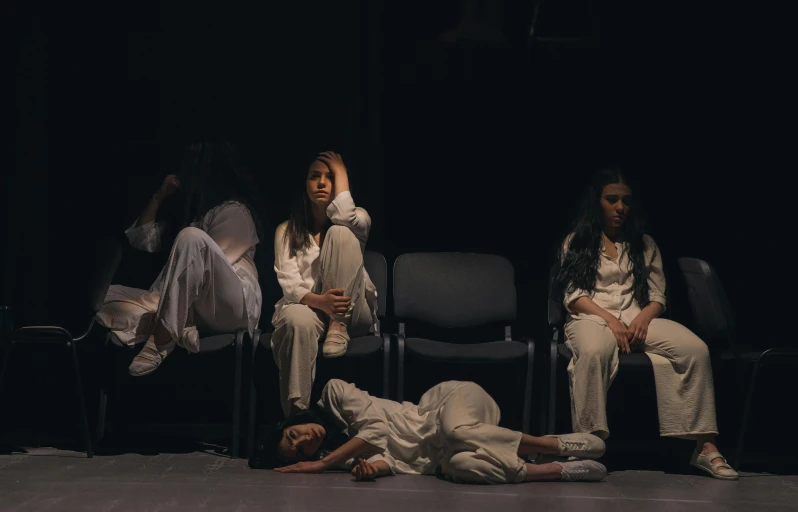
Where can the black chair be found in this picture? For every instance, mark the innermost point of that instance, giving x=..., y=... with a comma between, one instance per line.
x=378, y=344
x=715, y=324
x=107, y=256
x=216, y=345
x=459, y=290
x=560, y=355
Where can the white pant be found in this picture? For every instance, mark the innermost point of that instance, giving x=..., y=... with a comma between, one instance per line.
x=476, y=449
x=297, y=331
x=197, y=288
x=682, y=375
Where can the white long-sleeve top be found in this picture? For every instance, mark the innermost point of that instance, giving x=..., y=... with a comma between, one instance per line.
x=230, y=225
x=406, y=436
x=614, y=289
x=300, y=273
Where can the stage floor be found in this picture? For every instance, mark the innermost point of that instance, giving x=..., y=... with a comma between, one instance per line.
x=48, y=479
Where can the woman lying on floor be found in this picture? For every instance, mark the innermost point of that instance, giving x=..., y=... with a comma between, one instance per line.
x=454, y=427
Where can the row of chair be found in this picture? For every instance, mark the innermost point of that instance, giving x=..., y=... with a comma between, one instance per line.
x=449, y=290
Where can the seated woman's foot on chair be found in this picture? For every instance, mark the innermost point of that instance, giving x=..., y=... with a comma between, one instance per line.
x=707, y=458
x=337, y=340
x=154, y=352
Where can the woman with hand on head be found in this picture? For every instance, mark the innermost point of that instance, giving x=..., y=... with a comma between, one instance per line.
x=614, y=292
x=209, y=283
x=327, y=293
x=453, y=430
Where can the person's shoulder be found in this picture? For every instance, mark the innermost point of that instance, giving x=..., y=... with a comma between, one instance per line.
x=281, y=228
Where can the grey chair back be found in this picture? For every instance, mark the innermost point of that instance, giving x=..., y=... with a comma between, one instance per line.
x=710, y=305
x=452, y=289
x=377, y=269
x=556, y=310
x=107, y=256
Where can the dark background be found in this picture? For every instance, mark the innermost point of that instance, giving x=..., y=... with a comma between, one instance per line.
x=450, y=147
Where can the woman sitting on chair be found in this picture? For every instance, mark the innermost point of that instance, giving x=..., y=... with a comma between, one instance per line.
x=327, y=293
x=611, y=274
x=209, y=283
x=453, y=430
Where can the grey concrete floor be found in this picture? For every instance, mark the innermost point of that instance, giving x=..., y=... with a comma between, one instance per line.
x=48, y=479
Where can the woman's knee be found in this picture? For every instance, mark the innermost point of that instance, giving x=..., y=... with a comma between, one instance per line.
x=694, y=348
x=686, y=344
x=341, y=234
x=191, y=236
x=302, y=319
x=599, y=349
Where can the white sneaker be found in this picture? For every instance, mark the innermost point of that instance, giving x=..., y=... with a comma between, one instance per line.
x=583, y=446
x=582, y=471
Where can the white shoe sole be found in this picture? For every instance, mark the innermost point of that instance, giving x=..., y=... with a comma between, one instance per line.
x=713, y=474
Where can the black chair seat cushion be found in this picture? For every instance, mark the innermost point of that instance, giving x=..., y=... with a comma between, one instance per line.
x=360, y=346
x=633, y=361
x=207, y=344
x=492, y=351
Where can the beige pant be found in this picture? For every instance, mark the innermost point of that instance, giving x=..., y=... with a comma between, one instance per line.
x=295, y=342
x=476, y=450
x=682, y=375
x=198, y=289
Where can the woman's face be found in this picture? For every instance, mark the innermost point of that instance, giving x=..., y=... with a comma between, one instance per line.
x=319, y=183
x=616, y=201
x=301, y=442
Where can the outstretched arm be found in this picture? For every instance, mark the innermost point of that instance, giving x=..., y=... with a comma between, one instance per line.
x=352, y=448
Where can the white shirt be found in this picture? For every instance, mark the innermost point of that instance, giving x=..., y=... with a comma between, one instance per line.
x=300, y=273
x=614, y=289
x=406, y=435
x=230, y=225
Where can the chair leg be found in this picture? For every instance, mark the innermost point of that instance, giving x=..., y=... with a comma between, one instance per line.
x=253, y=399
x=237, y=394
x=101, y=412
x=6, y=357
x=105, y=375
x=82, y=401
x=400, y=369
x=386, y=366
x=749, y=399
x=551, y=415
x=530, y=365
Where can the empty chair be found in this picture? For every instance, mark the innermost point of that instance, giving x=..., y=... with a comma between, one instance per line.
x=458, y=290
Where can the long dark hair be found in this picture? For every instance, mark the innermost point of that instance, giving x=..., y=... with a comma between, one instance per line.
x=266, y=454
x=297, y=232
x=211, y=174
x=579, y=264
